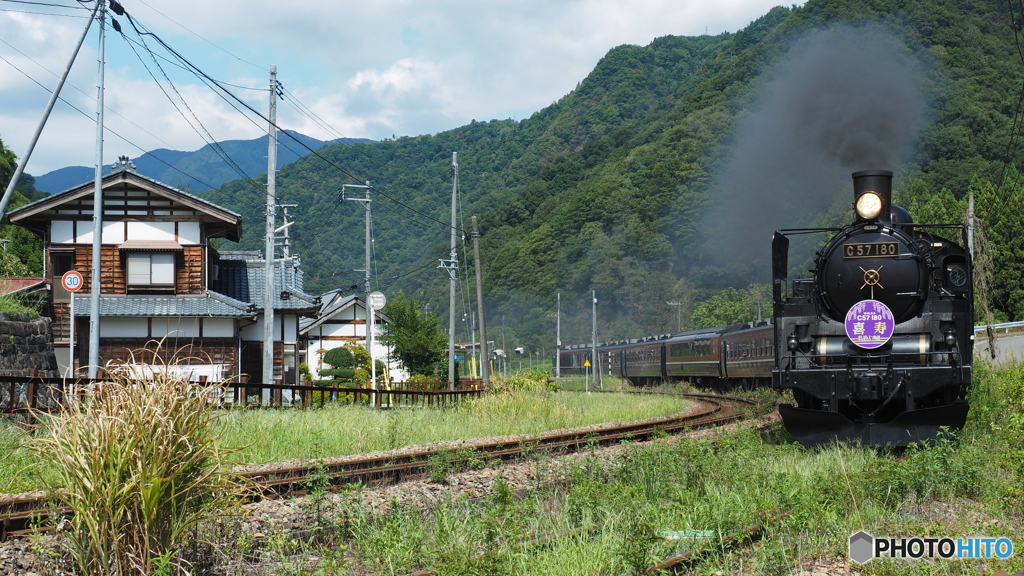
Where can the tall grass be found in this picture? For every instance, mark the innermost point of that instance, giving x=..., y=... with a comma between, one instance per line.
x=269, y=436
x=141, y=469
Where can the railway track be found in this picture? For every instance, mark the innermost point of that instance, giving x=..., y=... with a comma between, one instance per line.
x=20, y=515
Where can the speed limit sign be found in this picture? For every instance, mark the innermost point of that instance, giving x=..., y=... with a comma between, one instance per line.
x=72, y=281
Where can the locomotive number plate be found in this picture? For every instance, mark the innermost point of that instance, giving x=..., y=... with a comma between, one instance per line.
x=871, y=250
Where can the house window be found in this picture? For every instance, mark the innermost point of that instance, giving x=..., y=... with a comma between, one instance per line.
x=151, y=269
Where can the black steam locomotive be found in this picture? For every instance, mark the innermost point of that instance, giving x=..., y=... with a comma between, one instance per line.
x=877, y=345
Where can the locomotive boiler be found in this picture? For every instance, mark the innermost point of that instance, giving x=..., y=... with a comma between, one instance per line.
x=877, y=344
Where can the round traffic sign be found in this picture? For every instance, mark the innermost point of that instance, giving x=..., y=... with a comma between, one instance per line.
x=72, y=281
x=377, y=300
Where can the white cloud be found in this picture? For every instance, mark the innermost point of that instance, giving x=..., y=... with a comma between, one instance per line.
x=369, y=69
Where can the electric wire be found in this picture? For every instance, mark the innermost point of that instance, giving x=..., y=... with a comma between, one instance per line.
x=46, y=4
x=1019, y=109
x=219, y=88
x=106, y=129
x=215, y=145
x=187, y=29
x=224, y=91
x=13, y=11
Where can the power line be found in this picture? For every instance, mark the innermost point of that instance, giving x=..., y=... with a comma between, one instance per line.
x=217, y=46
x=46, y=4
x=105, y=128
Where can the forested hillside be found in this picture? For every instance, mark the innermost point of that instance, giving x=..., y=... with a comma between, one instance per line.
x=661, y=176
x=22, y=254
x=506, y=168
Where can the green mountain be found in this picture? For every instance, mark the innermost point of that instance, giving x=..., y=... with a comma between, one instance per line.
x=661, y=176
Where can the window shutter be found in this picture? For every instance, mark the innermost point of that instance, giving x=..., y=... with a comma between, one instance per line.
x=138, y=268
x=163, y=268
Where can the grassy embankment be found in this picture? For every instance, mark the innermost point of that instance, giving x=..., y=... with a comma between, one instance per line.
x=970, y=484
x=277, y=435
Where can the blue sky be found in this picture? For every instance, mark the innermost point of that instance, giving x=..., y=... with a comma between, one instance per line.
x=367, y=69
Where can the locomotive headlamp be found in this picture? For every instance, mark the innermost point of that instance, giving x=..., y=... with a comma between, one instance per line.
x=869, y=205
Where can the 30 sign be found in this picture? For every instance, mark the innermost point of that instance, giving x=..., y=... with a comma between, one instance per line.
x=72, y=281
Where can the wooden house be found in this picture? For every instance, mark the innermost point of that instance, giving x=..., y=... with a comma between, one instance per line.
x=160, y=281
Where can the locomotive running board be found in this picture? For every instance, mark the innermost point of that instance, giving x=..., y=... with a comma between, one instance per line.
x=814, y=427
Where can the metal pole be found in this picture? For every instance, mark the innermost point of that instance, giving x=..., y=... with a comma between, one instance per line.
x=71, y=338
x=970, y=223
x=558, y=337
x=369, y=308
x=453, y=274
x=593, y=337
x=268, y=292
x=95, y=282
x=485, y=368
x=46, y=114
x=679, y=314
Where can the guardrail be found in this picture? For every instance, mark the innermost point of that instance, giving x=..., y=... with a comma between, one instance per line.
x=1007, y=326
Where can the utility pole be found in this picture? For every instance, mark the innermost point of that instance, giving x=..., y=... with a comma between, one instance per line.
x=370, y=312
x=286, y=241
x=593, y=338
x=485, y=369
x=970, y=223
x=268, y=288
x=679, y=314
x=452, y=266
x=97, y=214
x=20, y=168
x=558, y=337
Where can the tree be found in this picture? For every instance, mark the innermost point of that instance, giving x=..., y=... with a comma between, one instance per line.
x=730, y=306
x=415, y=338
x=340, y=358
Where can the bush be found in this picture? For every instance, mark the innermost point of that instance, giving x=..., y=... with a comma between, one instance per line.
x=341, y=357
x=339, y=373
x=525, y=381
x=142, y=472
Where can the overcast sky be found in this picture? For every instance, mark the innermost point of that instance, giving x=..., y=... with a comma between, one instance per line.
x=367, y=69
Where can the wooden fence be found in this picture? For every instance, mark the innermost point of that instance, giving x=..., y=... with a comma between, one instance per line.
x=18, y=394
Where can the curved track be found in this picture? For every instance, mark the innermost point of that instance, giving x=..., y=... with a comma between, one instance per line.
x=20, y=515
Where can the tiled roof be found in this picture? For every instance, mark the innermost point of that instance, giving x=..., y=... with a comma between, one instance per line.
x=212, y=305
x=11, y=285
x=245, y=280
x=331, y=303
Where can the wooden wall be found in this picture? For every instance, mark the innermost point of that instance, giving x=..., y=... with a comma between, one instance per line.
x=189, y=267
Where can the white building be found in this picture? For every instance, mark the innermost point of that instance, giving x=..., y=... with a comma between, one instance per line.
x=342, y=321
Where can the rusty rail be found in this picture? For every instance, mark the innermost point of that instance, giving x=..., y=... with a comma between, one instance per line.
x=18, y=513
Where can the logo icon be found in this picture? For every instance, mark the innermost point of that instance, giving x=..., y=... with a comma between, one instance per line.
x=861, y=547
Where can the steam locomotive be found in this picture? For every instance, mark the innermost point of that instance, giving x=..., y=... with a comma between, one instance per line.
x=876, y=346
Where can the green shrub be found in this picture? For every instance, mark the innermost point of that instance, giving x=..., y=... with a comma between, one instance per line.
x=339, y=373
x=525, y=381
x=142, y=472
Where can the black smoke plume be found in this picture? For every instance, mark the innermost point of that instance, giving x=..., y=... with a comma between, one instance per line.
x=842, y=100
